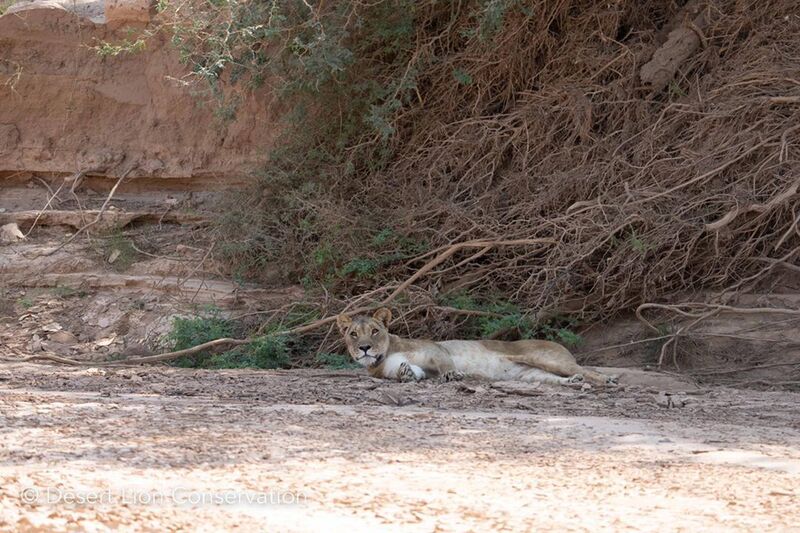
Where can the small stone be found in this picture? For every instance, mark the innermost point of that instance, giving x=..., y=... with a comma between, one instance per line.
x=63, y=337
x=671, y=401
x=10, y=233
x=108, y=341
x=35, y=345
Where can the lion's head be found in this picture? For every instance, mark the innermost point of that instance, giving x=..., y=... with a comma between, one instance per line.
x=367, y=338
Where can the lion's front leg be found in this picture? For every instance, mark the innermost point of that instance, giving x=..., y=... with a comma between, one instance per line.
x=407, y=373
x=398, y=367
x=451, y=375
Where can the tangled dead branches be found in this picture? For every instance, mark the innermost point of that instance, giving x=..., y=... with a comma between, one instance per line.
x=541, y=129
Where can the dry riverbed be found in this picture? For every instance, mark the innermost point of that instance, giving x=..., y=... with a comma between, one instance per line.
x=170, y=449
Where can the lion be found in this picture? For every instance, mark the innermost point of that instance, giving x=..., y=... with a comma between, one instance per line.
x=388, y=356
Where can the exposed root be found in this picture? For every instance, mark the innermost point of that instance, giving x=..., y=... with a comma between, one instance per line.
x=698, y=312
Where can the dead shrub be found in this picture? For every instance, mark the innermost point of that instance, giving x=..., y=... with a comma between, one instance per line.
x=503, y=121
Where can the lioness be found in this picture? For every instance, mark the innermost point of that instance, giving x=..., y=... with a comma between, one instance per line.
x=388, y=356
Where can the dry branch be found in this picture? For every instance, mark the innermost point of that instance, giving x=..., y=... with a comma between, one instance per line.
x=698, y=312
x=630, y=195
x=451, y=250
x=691, y=310
x=681, y=44
x=96, y=218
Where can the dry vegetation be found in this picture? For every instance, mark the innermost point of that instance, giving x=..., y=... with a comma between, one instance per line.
x=572, y=157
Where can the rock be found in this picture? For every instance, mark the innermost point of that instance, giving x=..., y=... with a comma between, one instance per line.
x=470, y=389
x=107, y=341
x=672, y=401
x=136, y=349
x=63, y=337
x=10, y=233
x=58, y=41
x=57, y=348
x=35, y=345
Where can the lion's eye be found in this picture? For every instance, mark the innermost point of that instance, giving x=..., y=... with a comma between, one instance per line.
x=353, y=334
x=374, y=332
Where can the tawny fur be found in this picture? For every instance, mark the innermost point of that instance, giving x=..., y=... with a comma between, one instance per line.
x=389, y=356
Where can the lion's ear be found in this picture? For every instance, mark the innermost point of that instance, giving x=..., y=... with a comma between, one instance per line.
x=383, y=315
x=343, y=321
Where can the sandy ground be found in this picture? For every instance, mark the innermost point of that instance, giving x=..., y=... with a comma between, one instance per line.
x=160, y=448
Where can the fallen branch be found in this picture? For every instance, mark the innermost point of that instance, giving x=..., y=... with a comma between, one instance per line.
x=138, y=360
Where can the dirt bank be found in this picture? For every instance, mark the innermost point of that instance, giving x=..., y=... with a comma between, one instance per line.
x=68, y=106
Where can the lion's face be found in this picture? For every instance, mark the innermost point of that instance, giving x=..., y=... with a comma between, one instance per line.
x=367, y=338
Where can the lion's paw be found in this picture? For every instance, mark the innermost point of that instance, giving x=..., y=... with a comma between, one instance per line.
x=612, y=380
x=453, y=375
x=405, y=374
x=577, y=378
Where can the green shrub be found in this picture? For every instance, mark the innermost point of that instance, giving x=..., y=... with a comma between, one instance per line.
x=107, y=49
x=265, y=352
x=508, y=320
x=190, y=332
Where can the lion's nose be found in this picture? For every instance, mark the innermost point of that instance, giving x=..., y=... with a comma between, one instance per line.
x=365, y=348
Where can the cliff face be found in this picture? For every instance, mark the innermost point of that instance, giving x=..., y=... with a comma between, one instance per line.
x=64, y=107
